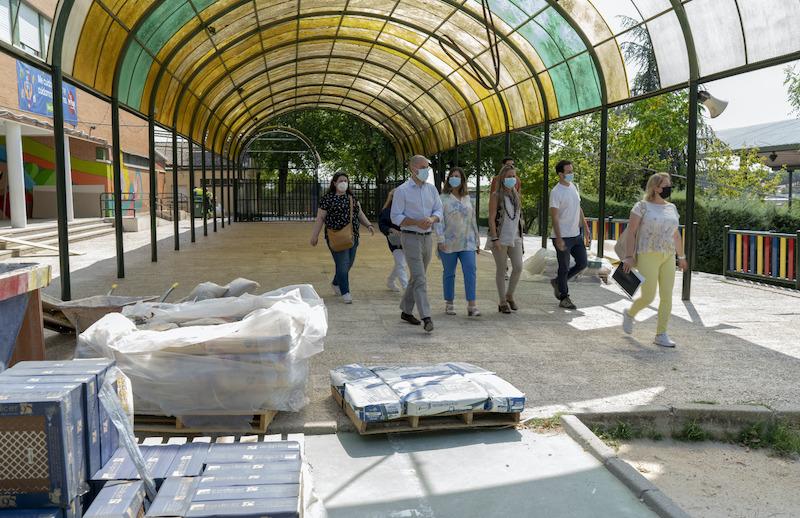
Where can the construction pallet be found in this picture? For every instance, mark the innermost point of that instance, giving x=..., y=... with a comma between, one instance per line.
x=448, y=421
x=258, y=424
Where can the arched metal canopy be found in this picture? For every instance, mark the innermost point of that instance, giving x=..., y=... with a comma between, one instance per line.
x=420, y=69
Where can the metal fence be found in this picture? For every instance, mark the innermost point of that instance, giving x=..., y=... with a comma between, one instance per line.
x=762, y=256
x=615, y=227
x=298, y=200
x=129, y=204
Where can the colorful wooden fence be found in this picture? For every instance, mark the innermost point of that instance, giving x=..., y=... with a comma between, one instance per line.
x=615, y=227
x=762, y=256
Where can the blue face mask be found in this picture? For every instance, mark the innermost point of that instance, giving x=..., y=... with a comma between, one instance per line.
x=423, y=173
x=510, y=182
x=569, y=177
x=454, y=181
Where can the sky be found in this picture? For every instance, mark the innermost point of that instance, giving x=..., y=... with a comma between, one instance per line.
x=753, y=98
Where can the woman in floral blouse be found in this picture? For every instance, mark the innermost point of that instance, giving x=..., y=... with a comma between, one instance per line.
x=458, y=241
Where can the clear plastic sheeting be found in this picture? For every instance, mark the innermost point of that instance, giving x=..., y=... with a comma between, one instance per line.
x=257, y=361
x=210, y=290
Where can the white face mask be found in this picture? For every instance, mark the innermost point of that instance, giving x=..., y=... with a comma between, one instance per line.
x=341, y=186
x=423, y=173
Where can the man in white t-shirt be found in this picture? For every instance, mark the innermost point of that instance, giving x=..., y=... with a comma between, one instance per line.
x=568, y=220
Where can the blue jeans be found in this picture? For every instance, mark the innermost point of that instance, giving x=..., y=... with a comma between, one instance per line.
x=468, y=268
x=344, y=261
x=573, y=246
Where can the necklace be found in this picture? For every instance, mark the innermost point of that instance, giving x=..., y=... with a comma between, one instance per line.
x=505, y=208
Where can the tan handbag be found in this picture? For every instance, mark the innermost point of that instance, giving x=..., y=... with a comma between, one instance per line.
x=341, y=240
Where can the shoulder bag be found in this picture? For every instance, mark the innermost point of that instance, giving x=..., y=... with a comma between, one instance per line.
x=342, y=239
x=621, y=246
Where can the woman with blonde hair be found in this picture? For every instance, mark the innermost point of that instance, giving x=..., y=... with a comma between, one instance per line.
x=505, y=234
x=399, y=274
x=458, y=241
x=654, y=242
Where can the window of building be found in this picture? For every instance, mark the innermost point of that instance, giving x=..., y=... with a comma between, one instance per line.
x=24, y=27
x=101, y=153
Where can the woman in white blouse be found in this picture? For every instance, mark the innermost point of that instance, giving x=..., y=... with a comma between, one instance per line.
x=654, y=224
x=505, y=235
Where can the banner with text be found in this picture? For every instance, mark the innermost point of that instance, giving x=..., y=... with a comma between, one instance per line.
x=35, y=92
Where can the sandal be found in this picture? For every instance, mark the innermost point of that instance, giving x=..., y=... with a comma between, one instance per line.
x=512, y=304
x=504, y=308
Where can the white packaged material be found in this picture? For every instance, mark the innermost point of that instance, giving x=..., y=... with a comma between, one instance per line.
x=372, y=400
x=438, y=394
x=394, y=373
x=240, y=286
x=503, y=396
x=466, y=368
x=340, y=376
x=257, y=362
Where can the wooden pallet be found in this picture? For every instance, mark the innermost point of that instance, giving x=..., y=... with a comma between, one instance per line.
x=171, y=425
x=449, y=421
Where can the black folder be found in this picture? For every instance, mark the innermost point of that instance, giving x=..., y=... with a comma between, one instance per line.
x=629, y=282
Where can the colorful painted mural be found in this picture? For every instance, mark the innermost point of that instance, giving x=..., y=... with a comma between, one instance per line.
x=39, y=170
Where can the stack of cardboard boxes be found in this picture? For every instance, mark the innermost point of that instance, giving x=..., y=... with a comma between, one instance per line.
x=54, y=435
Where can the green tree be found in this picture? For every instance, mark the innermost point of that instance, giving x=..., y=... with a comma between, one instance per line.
x=729, y=174
x=792, y=82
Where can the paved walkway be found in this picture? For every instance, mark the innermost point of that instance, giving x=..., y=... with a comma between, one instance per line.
x=737, y=343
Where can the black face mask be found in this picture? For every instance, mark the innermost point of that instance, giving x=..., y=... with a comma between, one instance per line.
x=666, y=192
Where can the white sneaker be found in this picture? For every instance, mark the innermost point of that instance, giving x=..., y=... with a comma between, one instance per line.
x=664, y=340
x=336, y=290
x=347, y=298
x=627, y=322
x=392, y=286
x=449, y=309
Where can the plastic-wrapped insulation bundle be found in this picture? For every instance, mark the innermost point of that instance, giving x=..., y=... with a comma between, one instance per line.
x=257, y=361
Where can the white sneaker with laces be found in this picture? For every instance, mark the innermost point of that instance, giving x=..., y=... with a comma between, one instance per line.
x=664, y=340
x=449, y=309
x=336, y=290
x=347, y=298
x=627, y=322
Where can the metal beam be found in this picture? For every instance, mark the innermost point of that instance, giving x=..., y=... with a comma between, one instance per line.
x=601, y=216
x=190, y=202
x=691, y=169
x=175, y=208
x=117, y=167
x=545, y=184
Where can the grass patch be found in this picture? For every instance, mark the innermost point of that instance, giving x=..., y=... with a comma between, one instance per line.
x=782, y=439
x=691, y=432
x=622, y=431
x=544, y=424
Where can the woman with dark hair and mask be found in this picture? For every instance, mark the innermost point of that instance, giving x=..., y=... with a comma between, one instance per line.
x=339, y=208
x=654, y=241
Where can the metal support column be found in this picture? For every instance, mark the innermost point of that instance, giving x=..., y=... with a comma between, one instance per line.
x=204, y=183
x=116, y=147
x=601, y=216
x=478, y=178
x=230, y=186
x=508, y=143
x=176, y=212
x=214, y=188
x=691, y=170
x=151, y=146
x=223, y=165
x=190, y=143
x=545, y=184
x=791, y=180
x=61, y=186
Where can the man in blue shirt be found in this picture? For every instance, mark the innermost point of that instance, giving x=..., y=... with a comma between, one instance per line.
x=416, y=206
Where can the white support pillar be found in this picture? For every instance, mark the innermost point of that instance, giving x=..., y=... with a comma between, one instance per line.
x=16, y=176
x=68, y=164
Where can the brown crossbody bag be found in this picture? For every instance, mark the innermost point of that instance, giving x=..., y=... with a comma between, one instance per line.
x=341, y=240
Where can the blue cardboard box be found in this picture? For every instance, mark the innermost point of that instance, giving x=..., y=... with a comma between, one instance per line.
x=174, y=497
x=255, y=508
x=189, y=460
x=109, y=437
x=246, y=492
x=42, y=450
x=249, y=479
x=118, y=499
x=90, y=408
x=252, y=468
x=158, y=460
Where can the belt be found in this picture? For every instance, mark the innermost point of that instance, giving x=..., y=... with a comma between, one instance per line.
x=415, y=233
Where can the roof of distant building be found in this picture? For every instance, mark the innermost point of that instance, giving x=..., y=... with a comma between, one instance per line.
x=770, y=136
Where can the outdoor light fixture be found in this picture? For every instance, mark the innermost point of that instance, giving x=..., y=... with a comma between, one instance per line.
x=773, y=156
x=714, y=106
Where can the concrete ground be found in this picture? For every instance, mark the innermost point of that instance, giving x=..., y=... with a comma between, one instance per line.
x=489, y=474
x=738, y=343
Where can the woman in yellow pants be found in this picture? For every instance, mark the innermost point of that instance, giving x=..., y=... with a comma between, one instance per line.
x=655, y=241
